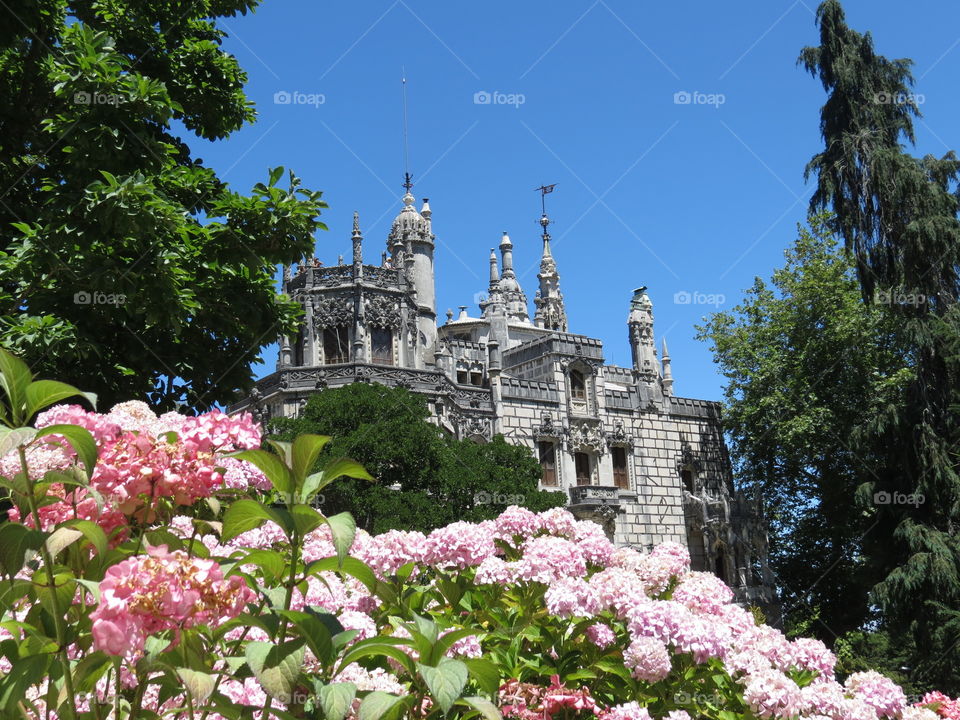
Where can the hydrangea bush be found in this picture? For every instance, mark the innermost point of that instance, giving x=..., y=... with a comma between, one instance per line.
x=170, y=567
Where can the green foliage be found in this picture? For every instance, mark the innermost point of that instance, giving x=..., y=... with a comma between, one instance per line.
x=897, y=214
x=425, y=479
x=126, y=266
x=808, y=367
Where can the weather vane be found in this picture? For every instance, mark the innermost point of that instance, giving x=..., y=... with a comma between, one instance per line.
x=544, y=220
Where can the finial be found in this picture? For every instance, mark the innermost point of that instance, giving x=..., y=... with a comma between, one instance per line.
x=356, y=224
x=463, y=312
x=407, y=182
x=505, y=240
x=425, y=211
x=449, y=314
x=666, y=353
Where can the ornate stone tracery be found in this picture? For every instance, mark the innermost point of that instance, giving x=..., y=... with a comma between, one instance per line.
x=382, y=311
x=585, y=436
x=332, y=311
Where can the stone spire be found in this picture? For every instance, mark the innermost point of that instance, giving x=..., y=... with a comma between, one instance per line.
x=357, y=238
x=640, y=325
x=667, y=372
x=551, y=313
x=513, y=297
x=494, y=270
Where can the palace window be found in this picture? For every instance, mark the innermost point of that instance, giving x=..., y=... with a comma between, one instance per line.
x=381, y=346
x=548, y=462
x=336, y=345
x=476, y=378
x=720, y=564
x=298, y=349
x=621, y=477
x=578, y=386
x=463, y=377
x=581, y=462
x=686, y=475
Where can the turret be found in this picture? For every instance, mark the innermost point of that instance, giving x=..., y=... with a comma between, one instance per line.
x=640, y=325
x=667, y=371
x=514, y=300
x=412, y=238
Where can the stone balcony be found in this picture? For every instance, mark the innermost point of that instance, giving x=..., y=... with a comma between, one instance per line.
x=599, y=503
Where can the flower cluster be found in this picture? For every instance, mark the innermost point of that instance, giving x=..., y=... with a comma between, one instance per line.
x=942, y=705
x=527, y=701
x=162, y=591
x=141, y=459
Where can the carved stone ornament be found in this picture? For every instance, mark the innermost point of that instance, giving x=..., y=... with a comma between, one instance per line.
x=619, y=436
x=473, y=425
x=332, y=312
x=586, y=437
x=547, y=428
x=382, y=311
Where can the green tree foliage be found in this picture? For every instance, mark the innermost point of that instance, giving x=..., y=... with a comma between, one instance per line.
x=808, y=367
x=126, y=266
x=898, y=215
x=425, y=479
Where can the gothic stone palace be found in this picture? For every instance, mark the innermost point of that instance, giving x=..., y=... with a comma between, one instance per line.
x=648, y=465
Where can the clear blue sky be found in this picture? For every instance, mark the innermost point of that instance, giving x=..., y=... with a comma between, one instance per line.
x=693, y=197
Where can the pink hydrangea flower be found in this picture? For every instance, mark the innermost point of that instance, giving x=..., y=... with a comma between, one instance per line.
x=601, y=635
x=878, y=691
x=626, y=711
x=160, y=591
x=648, y=659
x=770, y=693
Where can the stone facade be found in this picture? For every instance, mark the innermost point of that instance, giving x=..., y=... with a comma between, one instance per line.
x=624, y=449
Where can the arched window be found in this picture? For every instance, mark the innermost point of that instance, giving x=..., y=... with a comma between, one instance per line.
x=720, y=564
x=581, y=462
x=578, y=385
x=548, y=462
x=336, y=345
x=381, y=346
x=686, y=475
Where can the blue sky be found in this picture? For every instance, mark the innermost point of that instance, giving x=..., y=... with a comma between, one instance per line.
x=697, y=197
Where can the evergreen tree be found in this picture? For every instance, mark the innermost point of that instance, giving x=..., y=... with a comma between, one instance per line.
x=898, y=215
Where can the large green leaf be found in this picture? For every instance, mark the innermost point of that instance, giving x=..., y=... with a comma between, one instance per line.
x=245, y=514
x=315, y=632
x=485, y=673
x=342, y=467
x=16, y=542
x=91, y=531
x=445, y=681
x=43, y=393
x=26, y=671
x=270, y=465
x=304, y=453
x=12, y=438
x=14, y=378
x=270, y=562
x=343, y=528
x=350, y=565
x=80, y=440
x=276, y=666
x=486, y=708
x=377, y=704
x=198, y=684
x=335, y=700
x=306, y=519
